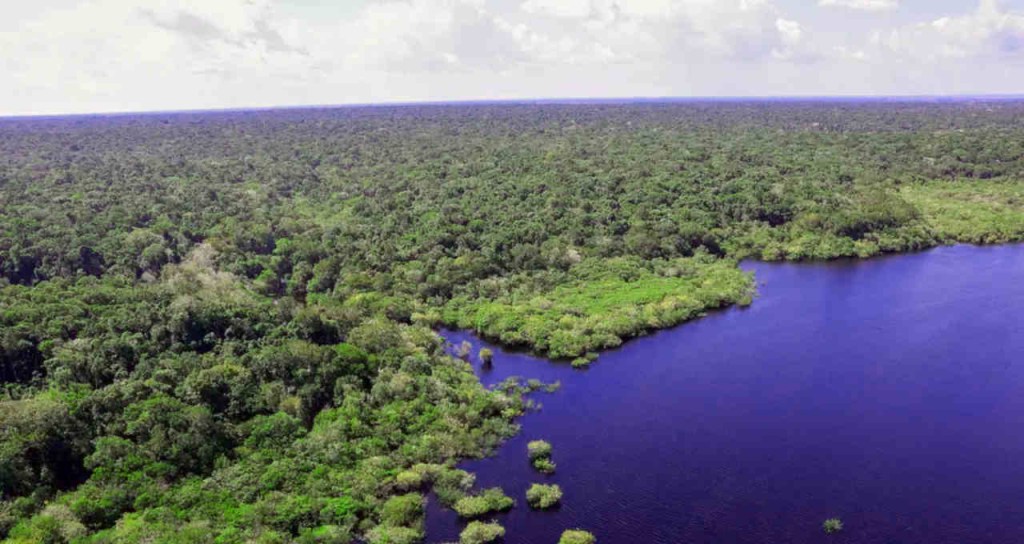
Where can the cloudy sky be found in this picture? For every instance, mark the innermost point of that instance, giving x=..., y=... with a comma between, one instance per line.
x=75, y=56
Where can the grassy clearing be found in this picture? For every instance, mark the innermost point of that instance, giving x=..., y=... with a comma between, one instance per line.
x=603, y=302
x=975, y=212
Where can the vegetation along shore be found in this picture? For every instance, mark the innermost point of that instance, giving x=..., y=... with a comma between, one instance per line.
x=218, y=327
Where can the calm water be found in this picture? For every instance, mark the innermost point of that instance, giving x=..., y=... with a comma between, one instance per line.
x=889, y=393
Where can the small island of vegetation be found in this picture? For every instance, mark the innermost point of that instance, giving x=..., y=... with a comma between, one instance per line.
x=540, y=456
x=542, y=496
x=577, y=536
x=478, y=532
x=486, y=502
x=832, y=525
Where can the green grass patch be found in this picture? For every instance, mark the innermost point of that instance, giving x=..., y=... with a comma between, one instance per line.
x=975, y=212
x=601, y=302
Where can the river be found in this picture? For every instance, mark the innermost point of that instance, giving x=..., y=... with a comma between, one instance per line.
x=887, y=392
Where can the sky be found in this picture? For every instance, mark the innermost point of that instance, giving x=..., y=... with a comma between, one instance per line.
x=89, y=56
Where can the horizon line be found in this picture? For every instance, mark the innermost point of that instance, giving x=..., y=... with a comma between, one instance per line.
x=994, y=97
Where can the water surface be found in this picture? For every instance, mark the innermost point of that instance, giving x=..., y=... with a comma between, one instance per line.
x=887, y=392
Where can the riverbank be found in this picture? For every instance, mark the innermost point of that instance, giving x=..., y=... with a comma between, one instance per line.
x=874, y=391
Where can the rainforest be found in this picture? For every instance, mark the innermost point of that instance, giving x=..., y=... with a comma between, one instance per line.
x=223, y=327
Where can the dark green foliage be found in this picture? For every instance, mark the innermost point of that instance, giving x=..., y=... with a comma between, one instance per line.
x=217, y=327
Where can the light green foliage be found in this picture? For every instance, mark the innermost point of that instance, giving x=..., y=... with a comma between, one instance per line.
x=601, y=302
x=486, y=502
x=408, y=480
x=971, y=211
x=543, y=495
x=385, y=534
x=832, y=525
x=486, y=355
x=577, y=536
x=450, y=485
x=584, y=361
x=540, y=456
x=538, y=449
x=544, y=464
x=478, y=532
x=402, y=510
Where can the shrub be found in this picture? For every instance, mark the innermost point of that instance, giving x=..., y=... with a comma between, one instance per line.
x=545, y=465
x=407, y=480
x=543, y=495
x=325, y=534
x=402, y=510
x=451, y=484
x=540, y=456
x=539, y=449
x=486, y=356
x=577, y=536
x=384, y=534
x=489, y=500
x=481, y=533
x=832, y=525
x=584, y=360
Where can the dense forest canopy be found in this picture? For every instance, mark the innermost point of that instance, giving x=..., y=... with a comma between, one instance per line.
x=216, y=327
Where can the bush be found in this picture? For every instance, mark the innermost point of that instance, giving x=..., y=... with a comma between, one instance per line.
x=403, y=510
x=486, y=355
x=539, y=449
x=577, y=536
x=545, y=465
x=489, y=500
x=385, y=534
x=325, y=534
x=543, y=495
x=407, y=480
x=481, y=533
x=585, y=360
x=450, y=485
x=832, y=525
x=540, y=456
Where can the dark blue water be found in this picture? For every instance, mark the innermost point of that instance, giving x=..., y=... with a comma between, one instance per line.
x=888, y=392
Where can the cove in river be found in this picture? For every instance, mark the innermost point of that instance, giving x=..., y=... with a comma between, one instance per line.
x=886, y=392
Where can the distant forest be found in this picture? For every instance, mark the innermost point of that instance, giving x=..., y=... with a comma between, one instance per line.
x=218, y=327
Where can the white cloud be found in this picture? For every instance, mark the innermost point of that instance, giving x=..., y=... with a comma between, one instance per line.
x=103, y=55
x=988, y=32
x=574, y=9
x=865, y=5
